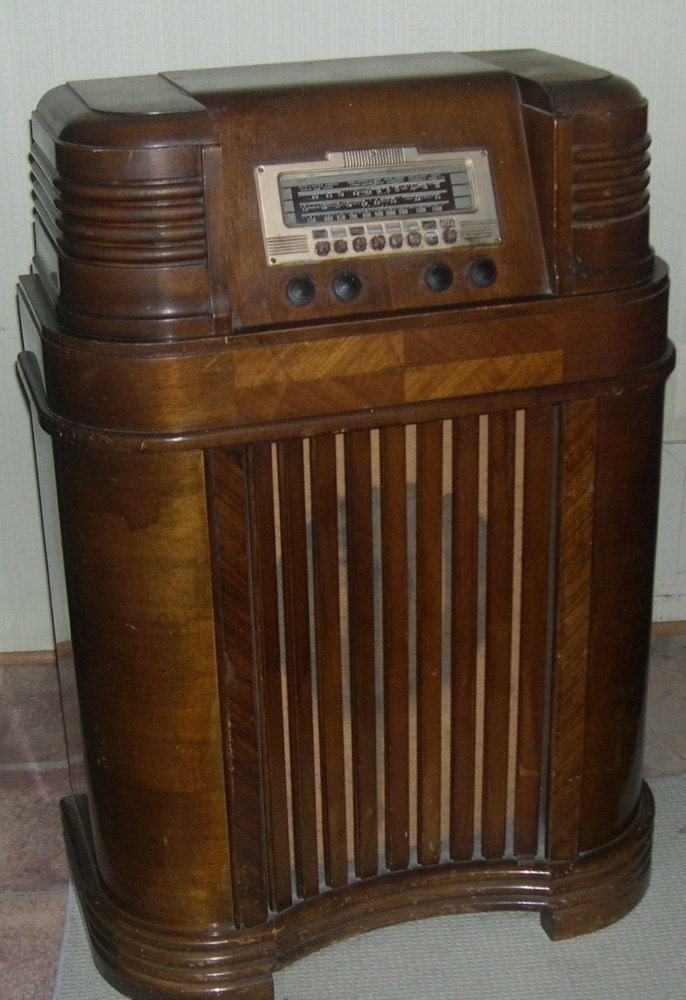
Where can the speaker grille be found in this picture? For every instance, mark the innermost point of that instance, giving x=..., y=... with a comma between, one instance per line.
x=401, y=587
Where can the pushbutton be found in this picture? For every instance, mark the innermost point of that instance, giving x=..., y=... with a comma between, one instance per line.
x=346, y=286
x=300, y=291
x=438, y=277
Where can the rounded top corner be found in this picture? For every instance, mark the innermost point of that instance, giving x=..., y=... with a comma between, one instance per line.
x=132, y=111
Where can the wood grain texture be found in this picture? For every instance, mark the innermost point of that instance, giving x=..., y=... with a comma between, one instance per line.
x=498, y=630
x=395, y=598
x=565, y=894
x=238, y=696
x=327, y=628
x=429, y=535
x=540, y=483
x=624, y=521
x=298, y=664
x=465, y=600
x=348, y=577
x=167, y=391
x=146, y=673
x=573, y=607
x=269, y=665
x=359, y=535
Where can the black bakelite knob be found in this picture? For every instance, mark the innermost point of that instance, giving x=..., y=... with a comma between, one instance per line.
x=300, y=291
x=346, y=286
x=482, y=272
x=438, y=277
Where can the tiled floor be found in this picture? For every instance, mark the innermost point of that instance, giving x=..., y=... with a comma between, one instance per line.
x=33, y=777
x=33, y=870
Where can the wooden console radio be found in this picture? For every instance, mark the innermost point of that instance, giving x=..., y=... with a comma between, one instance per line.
x=352, y=378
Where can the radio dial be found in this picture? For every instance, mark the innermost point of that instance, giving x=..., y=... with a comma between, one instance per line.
x=378, y=201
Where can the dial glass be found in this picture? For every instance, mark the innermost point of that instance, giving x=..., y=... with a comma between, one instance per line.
x=348, y=196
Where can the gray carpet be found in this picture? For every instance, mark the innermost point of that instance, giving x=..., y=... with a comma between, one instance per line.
x=494, y=956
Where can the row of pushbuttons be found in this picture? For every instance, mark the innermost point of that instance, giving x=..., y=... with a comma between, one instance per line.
x=347, y=285
x=379, y=241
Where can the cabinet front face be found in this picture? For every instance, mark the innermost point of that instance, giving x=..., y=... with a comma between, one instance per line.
x=362, y=652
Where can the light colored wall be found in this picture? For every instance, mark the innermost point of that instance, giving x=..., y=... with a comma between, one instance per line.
x=46, y=42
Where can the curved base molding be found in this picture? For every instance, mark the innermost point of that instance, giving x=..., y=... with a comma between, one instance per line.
x=154, y=963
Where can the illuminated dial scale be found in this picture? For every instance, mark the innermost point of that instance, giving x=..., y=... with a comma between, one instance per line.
x=381, y=201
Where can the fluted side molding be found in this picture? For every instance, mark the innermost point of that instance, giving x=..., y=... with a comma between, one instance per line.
x=240, y=966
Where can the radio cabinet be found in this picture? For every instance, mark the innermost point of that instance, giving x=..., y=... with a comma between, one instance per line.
x=353, y=376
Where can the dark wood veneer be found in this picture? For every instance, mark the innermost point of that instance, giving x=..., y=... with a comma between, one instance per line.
x=360, y=592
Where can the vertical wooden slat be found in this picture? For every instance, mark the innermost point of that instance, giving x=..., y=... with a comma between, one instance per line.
x=568, y=709
x=429, y=535
x=361, y=631
x=534, y=626
x=268, y=655
x=499, y=570
x=393, y=504
x=327, y=619
x=296, y=627
x=464, y=633
x=227, y=497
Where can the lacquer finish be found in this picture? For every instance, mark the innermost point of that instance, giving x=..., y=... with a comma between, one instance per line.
x=359, y=590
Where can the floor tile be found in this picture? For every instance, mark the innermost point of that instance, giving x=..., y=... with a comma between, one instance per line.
x=30, y=715
x=665, y=744
x=667, y=683
x=29, y=945
x=32, y=857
